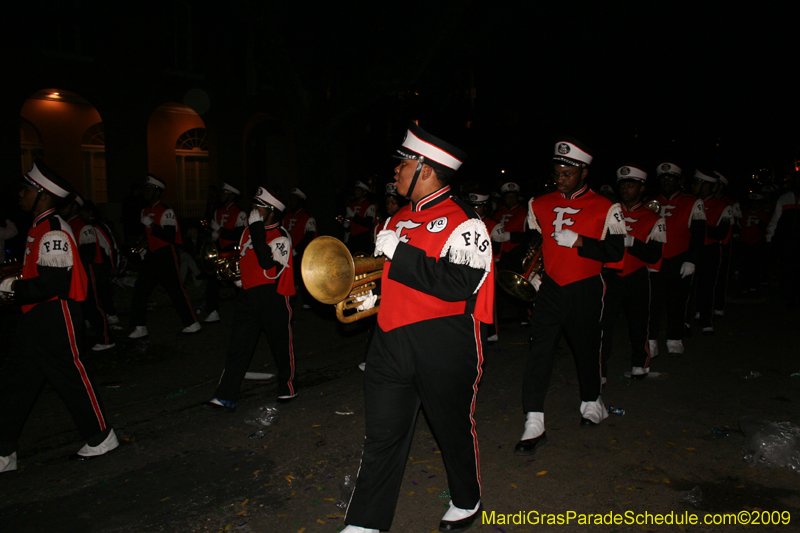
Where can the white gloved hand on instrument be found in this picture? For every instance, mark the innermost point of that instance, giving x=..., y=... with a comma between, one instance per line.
x=386, y=243
x=368, y=301
x=687, y=269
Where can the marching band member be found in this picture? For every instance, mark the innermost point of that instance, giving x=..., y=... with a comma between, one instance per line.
x=266, y=265
x=580, y=230
x=50, y=332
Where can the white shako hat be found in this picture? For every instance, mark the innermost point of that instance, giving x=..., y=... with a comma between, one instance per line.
x=668, y=168
x=153, y=181
x=702, y=176
x=43, y=178
x=571, y=152
x=78, y=200
x=391, y=190
x=263, y=198
x=297, y=192
x=478, y=198
x=227, y=187
x=362, y=185
x=722, y=178
x=631, y=173
x=418, y=144
x=509, y=187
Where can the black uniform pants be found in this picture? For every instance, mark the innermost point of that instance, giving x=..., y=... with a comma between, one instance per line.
x=575, y=311
x=724, y=273
x=92, y=306
x=259, y=309
x=707, y=276
x=436, y=364
x=160, y=266
x=671, y=293
x=753, y=257
x=47, y=347
x=631, y=295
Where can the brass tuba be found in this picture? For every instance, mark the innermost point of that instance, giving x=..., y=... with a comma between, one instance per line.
x=9, y=271
x=519, y=285
x=654, y=206
x=333, y=276
x=223, y=265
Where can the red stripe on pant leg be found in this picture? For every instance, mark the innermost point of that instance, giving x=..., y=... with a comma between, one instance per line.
x=291, y=347
x=180, y=284
x=479, y=346
x=79, y=365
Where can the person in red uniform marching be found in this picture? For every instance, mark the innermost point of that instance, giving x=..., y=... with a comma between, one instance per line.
x=358, y=220
x=50, y=332
x=160, y=262
x=719, y=218
x=302, y=227
x=686, y=230
x=628, y=282
x=267, y=281
x=227, y=225
x=437, y=290
x=580, y=231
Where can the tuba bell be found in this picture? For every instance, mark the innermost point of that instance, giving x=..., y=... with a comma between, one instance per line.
x=519, y=285
x=223, y=265
x=333, y=276
x=654, y=206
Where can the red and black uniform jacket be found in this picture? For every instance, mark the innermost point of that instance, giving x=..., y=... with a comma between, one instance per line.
x=513, y=221
x=588, y=214
x=302, y=228
x=232, y=222
x=266, y=258
x=52, y=268
x=649, y=233
x=719, y=218
x=361, y=215
x=754, y=225
x=441, y=267
x=686, y=225
x=164, y=230
x=784, y=225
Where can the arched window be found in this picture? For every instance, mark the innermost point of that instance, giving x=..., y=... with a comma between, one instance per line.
x=191, y=156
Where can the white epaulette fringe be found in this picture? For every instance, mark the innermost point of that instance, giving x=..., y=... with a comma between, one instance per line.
x=615, y=222
x=657, y=233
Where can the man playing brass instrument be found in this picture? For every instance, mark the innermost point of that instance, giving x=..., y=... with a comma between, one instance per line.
x=437, y=290
x=268, y=282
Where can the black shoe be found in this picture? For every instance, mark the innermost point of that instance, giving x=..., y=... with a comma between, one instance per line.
x=460, y=525
x=586, y=423
x=212, y=406
x=529, y=446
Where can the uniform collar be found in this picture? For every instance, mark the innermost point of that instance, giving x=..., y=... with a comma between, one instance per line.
x=155, y=204
x=432, y=199
x=673, y=196
x=44, y=215
x=273, y=225
x=577, y=194
x=634, y=208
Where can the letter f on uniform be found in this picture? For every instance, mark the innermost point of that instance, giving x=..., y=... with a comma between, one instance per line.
x=560, y=221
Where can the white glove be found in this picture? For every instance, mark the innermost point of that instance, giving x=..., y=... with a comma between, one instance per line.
x=238, y=283
x=628, y=241
x=214, y=235
x=214, y=225
x=294, y=252
x=7, y=285
x=565, y=237
x=386, y=243
x=536, y=281
x=499, y=234
x=143, y=253
x=687, y=269
x=254, y=217
x=368, y=301
x=147, y=220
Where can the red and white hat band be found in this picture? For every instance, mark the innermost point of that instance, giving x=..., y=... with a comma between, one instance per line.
x=704, y=177
x=35, y=175
x=263, y=195
x=429, y=151
x=631, y=173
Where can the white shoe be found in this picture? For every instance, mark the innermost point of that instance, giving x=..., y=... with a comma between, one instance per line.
x=492, y=338
x=104, y=447
x=653, y=344
x=8, y=463
x=138, y=332
x=719, y=312
x=362, y=366
x=100, y=347
x=112, y=319
x=594, y=411
x=639, y=371
x=287, y=396
x=697, y=315
x=194, y=328
x=454, y=514
x=356, y=529
x=306, y=306
x=213, y=316
x=675, y=347
x=603, y=381
x=534, y=425
x=258, y=375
